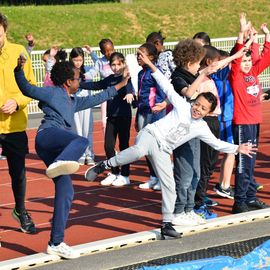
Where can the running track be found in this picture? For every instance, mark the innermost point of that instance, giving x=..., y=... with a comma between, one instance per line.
x=99, y=212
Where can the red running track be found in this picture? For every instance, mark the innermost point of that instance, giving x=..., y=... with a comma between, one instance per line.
x=99, y=212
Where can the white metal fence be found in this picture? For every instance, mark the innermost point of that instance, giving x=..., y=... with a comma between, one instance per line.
x=221, y=43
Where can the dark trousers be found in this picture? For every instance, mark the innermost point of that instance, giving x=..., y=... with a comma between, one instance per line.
x=117, y=126
x=245, y=185
x=15, y=148
x=53, y=144
x=209, y=157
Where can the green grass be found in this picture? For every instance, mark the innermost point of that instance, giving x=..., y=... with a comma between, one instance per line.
x=76, y=25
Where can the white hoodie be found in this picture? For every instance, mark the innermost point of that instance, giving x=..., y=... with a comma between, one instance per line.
x=178, y=127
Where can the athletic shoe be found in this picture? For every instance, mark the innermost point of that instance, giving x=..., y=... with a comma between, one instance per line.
x=3, y=157
x=168, y=231
x=62, y=167
x=157, y=186
x=193, y=216
x=150, y=183
x=205, y=213
x=182, y=219
x=256, y=205
x=259, y=186
x=82, y=160
x=92, y=173
x=121, y=181
x=109, y=179
x=27, y=224
x=89, y=161
x=63, y=251
x=239, y=208
x=227, y=193
x=209, y=202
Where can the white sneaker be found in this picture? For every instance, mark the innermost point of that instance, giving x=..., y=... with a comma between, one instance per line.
x=193, y=216
x=82, y=160
x=89, y=161
x=150, y=183
x=109, y=179
x=121, y=181
x=62, y=167
x=183, y=219
x=157, y=186
x=63, y=250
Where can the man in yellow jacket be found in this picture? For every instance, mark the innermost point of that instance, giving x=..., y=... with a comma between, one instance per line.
x=13, y=122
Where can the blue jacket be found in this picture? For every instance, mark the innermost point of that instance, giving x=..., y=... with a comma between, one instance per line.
x=225, y=94
x=57, y=105
x=149, y=92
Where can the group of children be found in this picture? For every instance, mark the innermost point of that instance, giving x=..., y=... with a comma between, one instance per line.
x=181, y=102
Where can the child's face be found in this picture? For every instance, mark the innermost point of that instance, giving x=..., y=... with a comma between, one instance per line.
x=193, y=68
x=77, y=61
x=117, y=66
x=200, y=108
x=108, y=49
x=246, y=64
x=139, y=60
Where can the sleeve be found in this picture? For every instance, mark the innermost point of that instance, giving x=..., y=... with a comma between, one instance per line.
x=264, y=62
x=235, y=64
x=255, y=52
x=129, y=87
x=93, y=71
x=99, y=85
x=179, y=84
x=86, y=102
x=94, y=57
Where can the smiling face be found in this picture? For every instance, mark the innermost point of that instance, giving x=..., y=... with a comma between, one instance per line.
x=246, y=64
x=200, y=108
x=117, y=66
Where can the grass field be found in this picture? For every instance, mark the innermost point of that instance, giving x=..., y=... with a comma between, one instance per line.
x=76, y=25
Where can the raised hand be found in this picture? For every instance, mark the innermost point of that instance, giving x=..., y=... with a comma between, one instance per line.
x=265, y=29
x=88, y=48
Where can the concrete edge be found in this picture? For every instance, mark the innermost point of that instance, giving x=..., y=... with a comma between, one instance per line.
x=40, y=259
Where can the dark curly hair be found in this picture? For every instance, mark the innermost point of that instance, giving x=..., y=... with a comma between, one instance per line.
x=187, y=51
x=3, y=21
x=154, y=37
x=211, y=98
x=61, y=72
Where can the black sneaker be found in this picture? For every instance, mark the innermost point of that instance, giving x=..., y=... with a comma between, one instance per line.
x=239, y=208
x=256, y=205
x=209, y=202
x=92, y=173
x=168, y=231
x=25, y=220
x=227, y=193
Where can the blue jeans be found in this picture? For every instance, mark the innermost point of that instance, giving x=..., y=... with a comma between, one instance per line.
x=186, y=174
x=245, y=185
x=53, y=144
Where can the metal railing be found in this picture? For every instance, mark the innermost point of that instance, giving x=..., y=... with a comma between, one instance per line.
x=222, y=43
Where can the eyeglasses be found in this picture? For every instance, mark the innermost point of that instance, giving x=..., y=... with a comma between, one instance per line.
x=77, y=79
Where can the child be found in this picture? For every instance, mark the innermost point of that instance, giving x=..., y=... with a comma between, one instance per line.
x=102, y=67
x=83, y=119
x=56, y=144
x=149, y=93
x=165, y=59
x=157, y=140
x=118, y=118
x=202, y=38
x=30, y=43
x=246, y=120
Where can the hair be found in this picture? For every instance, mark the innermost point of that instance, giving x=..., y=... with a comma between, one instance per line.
x=61, y=72
x=3, y=21
x=187, y=51
x=103, y=42
x=155, y=37
x=204, y=37
x=75, y=52
x=211, y=98
x=60, y=56
x=151, y=50
x=223, y=53
x=210, y=54
x=117, y=56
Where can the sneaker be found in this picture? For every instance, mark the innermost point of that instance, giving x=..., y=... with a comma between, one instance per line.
x=209, y=202
x=259, y=186
x=168, y=231
x=239, y=208
x=3, y=157
x=256, y=205
x=157, y=186
x=92, y=173
x=193, y=216
x=89, y=161
x=108, y=180
x=121, y=181
x=205, y=213
x=25, y=220
x=183, y=219
x=63, y=250
x=62, y=167
x=227, y=193
x=82, y=160
x=150, y=183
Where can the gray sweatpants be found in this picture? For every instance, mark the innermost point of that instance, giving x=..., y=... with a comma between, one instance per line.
x=146, y=145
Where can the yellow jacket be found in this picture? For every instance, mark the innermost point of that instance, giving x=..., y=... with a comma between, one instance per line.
x=17, y=121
